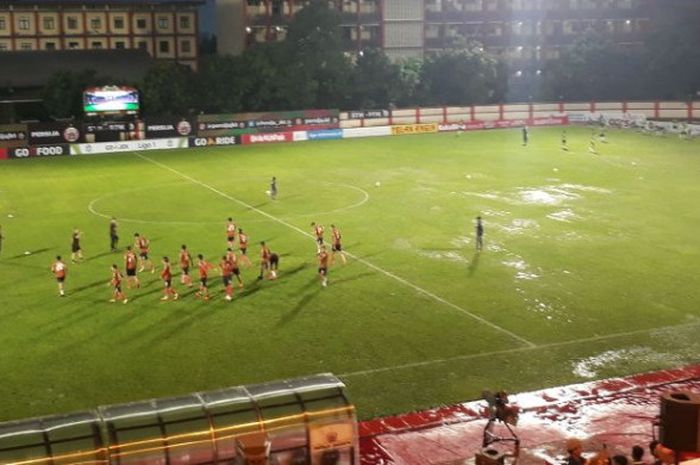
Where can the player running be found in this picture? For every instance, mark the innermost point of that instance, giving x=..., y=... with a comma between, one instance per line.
x=76, y=250
x=336, y=246
x=144, y=246
x=116, y=283
x=204, y=268
x=167, y=277
x=235, y=269
x=563, y=142
x=185, y=264
x=59, y=269
x=318, y=234
x=230, y=232
x=243, y=247
x=526, y=135
x=591, y=146
x=323, y=265
x=273, y=188
x=226, y=274
x=113, y=236
x=264, y=259
x=130, y=264
x=479, y=234
x=274, y=265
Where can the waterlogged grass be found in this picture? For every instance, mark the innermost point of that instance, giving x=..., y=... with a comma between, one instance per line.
x=586, y=258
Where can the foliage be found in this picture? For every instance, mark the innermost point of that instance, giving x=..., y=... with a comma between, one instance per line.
x=63, y=94
x=167, y=89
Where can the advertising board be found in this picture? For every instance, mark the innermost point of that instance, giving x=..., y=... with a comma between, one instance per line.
x=214, y=141
x=268, y=138
x=163, y=128
x=325, y=134
x=502, y=124
x=39, y=151
x=368, y=114
x=52, y=133
x=414, y=129
x=13, y=135
x=376, y=131
x=128, y=146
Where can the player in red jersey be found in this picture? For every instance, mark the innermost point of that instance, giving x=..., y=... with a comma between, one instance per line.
x=243, y=246
x=185, y=264
x=230, y=233
x=204, y=268
x=59, y=269
x=336, y=247
x=318, y=234
x=323, y=266
x=264, y=259
x=116, y=283
x=130, y=264
x=144, y=246
x=167, y=277
x=227, y=274
x=235, y=269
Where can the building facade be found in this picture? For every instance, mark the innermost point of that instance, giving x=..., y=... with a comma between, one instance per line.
x=515, y=29
x=167, y=30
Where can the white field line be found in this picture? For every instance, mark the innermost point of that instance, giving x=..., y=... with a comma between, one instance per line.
x=364, y=262
x=552, y=345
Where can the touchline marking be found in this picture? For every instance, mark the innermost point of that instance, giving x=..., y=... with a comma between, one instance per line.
x=364, y=262
x=516, y=350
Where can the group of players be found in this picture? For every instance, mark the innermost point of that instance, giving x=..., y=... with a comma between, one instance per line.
x=137, y=260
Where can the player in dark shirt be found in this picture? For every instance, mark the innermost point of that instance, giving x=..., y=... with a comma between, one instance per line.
x=113, y=237
x=563, y=141
x=526, y=136
x=479, y=234
x=76, y=250
x=273, y=188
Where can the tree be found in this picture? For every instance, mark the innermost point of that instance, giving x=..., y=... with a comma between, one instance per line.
x=465, y=75
x=376, y=82
x=168, y=89
x=63, y=94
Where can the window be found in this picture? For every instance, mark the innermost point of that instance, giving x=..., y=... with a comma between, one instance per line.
x=72, y=22
x=184, y=22
x=185, y=46
x=3, y=25
x=143, y=45
x=95, y=23
x=141, y=23
x=120, y=45
x=23, y=23
x=50, y=46
x=73, y=45
x=25, y=46
x=3, y=47
x=118, y=23
x=164, y=46
x=162, y=22
x=96, y=44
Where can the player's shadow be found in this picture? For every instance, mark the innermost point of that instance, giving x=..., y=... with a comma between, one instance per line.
x=85, y=287
x=31, y=252
x=99, y=255
x=350, y=278
x=301, y=305
x=474, y=263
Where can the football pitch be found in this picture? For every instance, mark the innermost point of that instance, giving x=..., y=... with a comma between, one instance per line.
x=589, y=268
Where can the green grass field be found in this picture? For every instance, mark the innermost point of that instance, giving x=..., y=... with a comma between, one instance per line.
x=590, y=268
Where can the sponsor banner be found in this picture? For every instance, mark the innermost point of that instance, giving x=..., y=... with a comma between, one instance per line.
x=376, y=131
x=164, y=128
x=252, y=123
x=414, y=129
x=300, y=136
x=52, y=133
x=13, y=135
x=611, y=118
x=512, y=123
x=325, y=134
x=3, y=153
x=128, y=146
x=368, y=114
x=268, y=138
x=39, y=151
x=213, y=141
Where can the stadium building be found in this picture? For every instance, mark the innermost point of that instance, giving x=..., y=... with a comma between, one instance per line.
x=166, y=29
x=517, y=29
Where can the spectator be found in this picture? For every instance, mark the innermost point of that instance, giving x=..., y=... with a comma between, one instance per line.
x=619, y=460
x=575, y=449
x=638, y=455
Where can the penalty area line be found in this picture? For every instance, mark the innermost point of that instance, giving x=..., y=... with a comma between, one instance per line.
x=361, y=260
x=552, y=345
